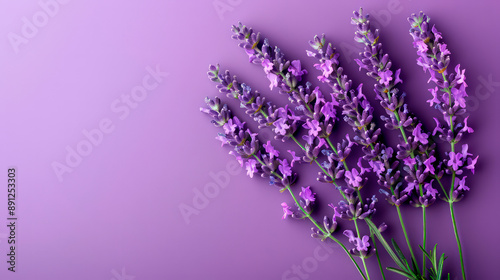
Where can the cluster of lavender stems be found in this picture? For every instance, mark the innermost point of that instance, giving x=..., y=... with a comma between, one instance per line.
x=312, y=111
x=284, y=123
x=289, y=80
x=415, y=148
x=287, y=76
x=448, y=96
x=264, y=160
x=357, y=113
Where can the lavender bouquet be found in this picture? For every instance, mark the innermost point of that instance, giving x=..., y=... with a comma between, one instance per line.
x=407, y=174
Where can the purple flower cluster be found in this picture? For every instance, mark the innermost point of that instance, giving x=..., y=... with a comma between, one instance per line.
x=362, y=246
x=354, y=209
x=257, y=159
x=307, y=198
x=319, y=114
x=281, y=73
x=358, y=113
x=448, y=96
x=284, y=121
x=415, y=149
x=315, y=144
x=264, y=160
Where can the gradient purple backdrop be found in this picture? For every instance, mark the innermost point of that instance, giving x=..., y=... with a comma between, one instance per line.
x=116, y=214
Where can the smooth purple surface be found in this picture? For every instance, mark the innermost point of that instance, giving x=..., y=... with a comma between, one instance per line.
x=117, y=213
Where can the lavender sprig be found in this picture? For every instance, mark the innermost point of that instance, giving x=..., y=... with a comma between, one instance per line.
x=266, y=162
x=449, y=98
x=281, y=73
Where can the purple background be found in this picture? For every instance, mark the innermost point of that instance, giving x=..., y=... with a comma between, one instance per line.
x=117, y=213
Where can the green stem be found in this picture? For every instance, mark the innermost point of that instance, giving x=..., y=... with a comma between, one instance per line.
x=327, y=233
x=457, y=237
x=424, y=226
x=387, y=247
x=424, y=229
x=376, y=253
x=324, y=171
x=404, y=232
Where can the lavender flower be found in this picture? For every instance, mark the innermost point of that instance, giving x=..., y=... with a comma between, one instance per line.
x=287, y=210
x=295, y=158
x=285, y=168
x=307, y=194
x=251, y=167
x=362, y=246
x=354, y=208
x=448, y=96
x=295, y=69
